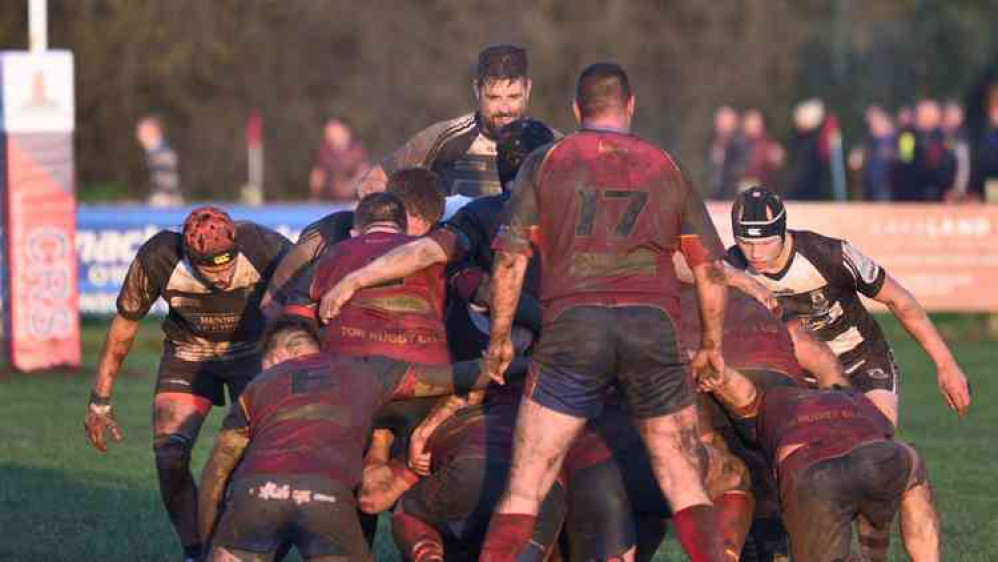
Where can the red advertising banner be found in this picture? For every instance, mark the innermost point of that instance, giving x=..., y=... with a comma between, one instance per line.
x=41, y=305
x=945, y=255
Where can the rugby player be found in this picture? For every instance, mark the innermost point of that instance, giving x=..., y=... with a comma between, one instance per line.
x=297, y=434
x=417, y=188
x=836, y=462
x=819, y=279
x=212, y=275
x=607, y=210
x=465, y=242
x=463, y=150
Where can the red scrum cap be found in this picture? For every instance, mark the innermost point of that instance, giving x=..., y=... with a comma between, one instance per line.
x=209, y=236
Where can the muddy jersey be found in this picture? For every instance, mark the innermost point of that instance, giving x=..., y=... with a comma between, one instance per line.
x=312, y=243
x=312, y=415
x=607, y=211
x=821, y=284
x=753, y=337
x=204, y=323
x=401, y=319
x=828, y=422
x=458, y=151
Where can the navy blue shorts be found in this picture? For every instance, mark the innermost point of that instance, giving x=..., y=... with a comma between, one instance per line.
x=587, y=349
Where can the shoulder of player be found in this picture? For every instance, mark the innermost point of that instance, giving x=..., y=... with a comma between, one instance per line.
x=331, y=227
x=438, y=134
x=258, y=241
x=816, y=246
x=165, y=249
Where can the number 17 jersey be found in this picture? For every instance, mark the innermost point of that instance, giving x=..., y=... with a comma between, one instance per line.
x=607, y=210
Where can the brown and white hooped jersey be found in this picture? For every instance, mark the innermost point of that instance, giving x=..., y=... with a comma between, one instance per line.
x=203, y=323
x=821, y=284
x=458, y=151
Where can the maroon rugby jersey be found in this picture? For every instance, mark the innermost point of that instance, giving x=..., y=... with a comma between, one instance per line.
x=829, y=423
x=607, y=210
x=753, y=337
x=312, y=415
x=402, y=319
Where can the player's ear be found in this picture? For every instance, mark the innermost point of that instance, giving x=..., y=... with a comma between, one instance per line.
x=527, y=83
x=354, y=233
x=630, y=106
x=476, y=90
x=576, y=111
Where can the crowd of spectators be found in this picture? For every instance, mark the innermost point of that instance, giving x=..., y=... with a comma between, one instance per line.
x=919, y=153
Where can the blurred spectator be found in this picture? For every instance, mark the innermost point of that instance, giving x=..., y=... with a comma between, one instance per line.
x=161, y=162
x=727, y=155
x=340, y=163
x=955, y=139
x=763, y=155
x=813, y=152
x=925, y=167
x=875, y=159
x=904, y=119
x=986, y=177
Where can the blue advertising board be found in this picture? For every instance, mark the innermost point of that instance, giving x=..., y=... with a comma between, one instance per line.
x=108, y=237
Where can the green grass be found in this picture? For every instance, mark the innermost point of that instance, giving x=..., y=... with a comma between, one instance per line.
x=61, y=500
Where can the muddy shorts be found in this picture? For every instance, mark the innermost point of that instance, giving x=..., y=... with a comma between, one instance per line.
x=875, y=371
x=586, y=349
x=316, y=515
x=207, y=379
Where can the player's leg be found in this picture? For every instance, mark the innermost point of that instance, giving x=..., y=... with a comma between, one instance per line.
x=541, y=440
x=818, y=510
x=920, y=529
x=222, y=554
x=184, y=396
x=655, y=381
x=729, y=487
x=600, y=522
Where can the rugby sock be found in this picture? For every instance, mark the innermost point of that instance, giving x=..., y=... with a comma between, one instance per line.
x=734, y=514
x=696, y=529
x=508, y=535
x=419, y=541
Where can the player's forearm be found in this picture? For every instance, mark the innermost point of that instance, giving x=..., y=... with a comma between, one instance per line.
x=815, y=356
x=119, y=340
x=443, y=410
x=459, y=378
x=916, y=322
x=738, y=394
x=228, y=450
x=507, y=283
x=712, y=294
x=398, y=263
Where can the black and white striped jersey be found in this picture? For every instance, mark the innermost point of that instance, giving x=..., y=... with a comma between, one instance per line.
x=204, y=323
x=457, y=150
x=820, y=284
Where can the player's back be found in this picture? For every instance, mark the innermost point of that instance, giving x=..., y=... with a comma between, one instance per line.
x=312, y=415
x=610, y=211
x=402, y=319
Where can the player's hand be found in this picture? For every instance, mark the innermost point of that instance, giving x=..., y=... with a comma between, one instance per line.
x=334, y=299
x=761, y=293
x=420, y=458
x=708, y=366
x=498, y=357
x=954, y=388
x=100, y=419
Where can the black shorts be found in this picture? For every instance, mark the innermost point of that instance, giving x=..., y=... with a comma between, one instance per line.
x=458, y=499
x=207, y=379
x=586, y=349
x=316, y=515
x=875, y=371
x=820, y=501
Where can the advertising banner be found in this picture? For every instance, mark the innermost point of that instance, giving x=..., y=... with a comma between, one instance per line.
x=943, y=254
x=37, y=177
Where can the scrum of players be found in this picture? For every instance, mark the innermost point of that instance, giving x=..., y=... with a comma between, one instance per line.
x=555, y=371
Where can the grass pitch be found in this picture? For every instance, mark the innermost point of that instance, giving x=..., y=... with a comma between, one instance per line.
x=61, y=500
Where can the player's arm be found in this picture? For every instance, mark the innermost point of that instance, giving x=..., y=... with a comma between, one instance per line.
x=419, y=455
x=419, y=380
x=815, y=356
x=736, y=392
x=137, y=295
x=230, y=445
x=384, y=479
x=951, y=380
x=742, y=281
x=274, y=248
x=396, y=264
x=512, y=245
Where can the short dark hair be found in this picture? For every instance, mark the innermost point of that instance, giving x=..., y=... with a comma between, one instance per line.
x=379, y=207
x=514, y=142
x=420, y=191
x=285, y=325
x=602, y=87
x=501, y=62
